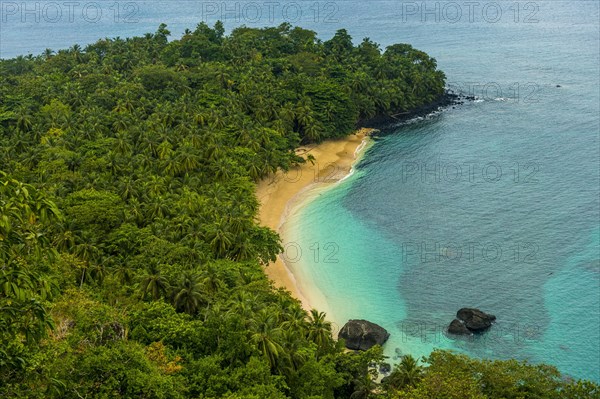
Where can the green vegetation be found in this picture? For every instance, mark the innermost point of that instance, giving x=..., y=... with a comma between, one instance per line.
x=130, y=257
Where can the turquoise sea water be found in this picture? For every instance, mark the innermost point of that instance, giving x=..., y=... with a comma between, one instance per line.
x=493, y=204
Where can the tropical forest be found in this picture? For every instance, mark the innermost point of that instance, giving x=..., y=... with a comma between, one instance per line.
x=131, y=259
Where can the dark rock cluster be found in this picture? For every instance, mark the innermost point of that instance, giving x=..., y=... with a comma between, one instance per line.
x=470, y=320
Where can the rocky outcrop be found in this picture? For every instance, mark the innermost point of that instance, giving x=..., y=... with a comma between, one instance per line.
x=363, y=335
x=457, y=327
x=470, y=320
x=475, y=319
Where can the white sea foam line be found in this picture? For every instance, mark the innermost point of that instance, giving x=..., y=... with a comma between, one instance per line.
x=357, y=153
x=360, y=147
x=303, y=298
x=294, y=205
x=301, y=199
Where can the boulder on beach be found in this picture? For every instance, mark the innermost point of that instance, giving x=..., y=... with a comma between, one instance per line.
x=363, y=335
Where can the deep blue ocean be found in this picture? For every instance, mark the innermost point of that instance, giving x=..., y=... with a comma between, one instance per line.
x=494, y=204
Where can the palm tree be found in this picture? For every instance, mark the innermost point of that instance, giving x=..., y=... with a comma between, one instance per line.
x=264, y=334
x=86, y=251
x=157, y=207
x=222, y=169
x=123, y=273
x=295, y=319
x=223, y=76
x=187, y=158
x=64, y=239
x=312, y=130
x=165, y=150
x=211, y=280
x=287, y=114
x=183, y=227
x=255, y=171
x=75, y=50
x=359, y=82
x=319, y=329
x=48, y=53
x=24, y=119
x=216, y=120
x=407, y=373
x=201, y=118
x=304, y=114
x=128, y=188
x=149, y=143
x=154, y=186
x=121, y=145
x=363, y=387
x=295, y=358
x=90, y=271
x=26, y=216
x=187, y=296
x=242, y=304
x=219, y=238
x=154, y=283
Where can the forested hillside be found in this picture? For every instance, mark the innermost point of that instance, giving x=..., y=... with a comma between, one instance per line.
x=130, y=257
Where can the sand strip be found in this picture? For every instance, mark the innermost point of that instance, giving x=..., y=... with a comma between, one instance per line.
x=279, y=193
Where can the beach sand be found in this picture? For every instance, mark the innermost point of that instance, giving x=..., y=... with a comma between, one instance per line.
x=279, y=194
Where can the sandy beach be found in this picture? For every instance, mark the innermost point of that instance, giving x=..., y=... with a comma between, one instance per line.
x=280, y=193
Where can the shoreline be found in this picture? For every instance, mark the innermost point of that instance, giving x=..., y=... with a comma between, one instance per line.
x=446, y=100
x=282, y=194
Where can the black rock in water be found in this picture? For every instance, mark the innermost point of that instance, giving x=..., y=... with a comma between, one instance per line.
x=363, y=335
x=474, y=319
x=457, y=327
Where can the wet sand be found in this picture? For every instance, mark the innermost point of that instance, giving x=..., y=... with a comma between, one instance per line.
x=279, y=194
